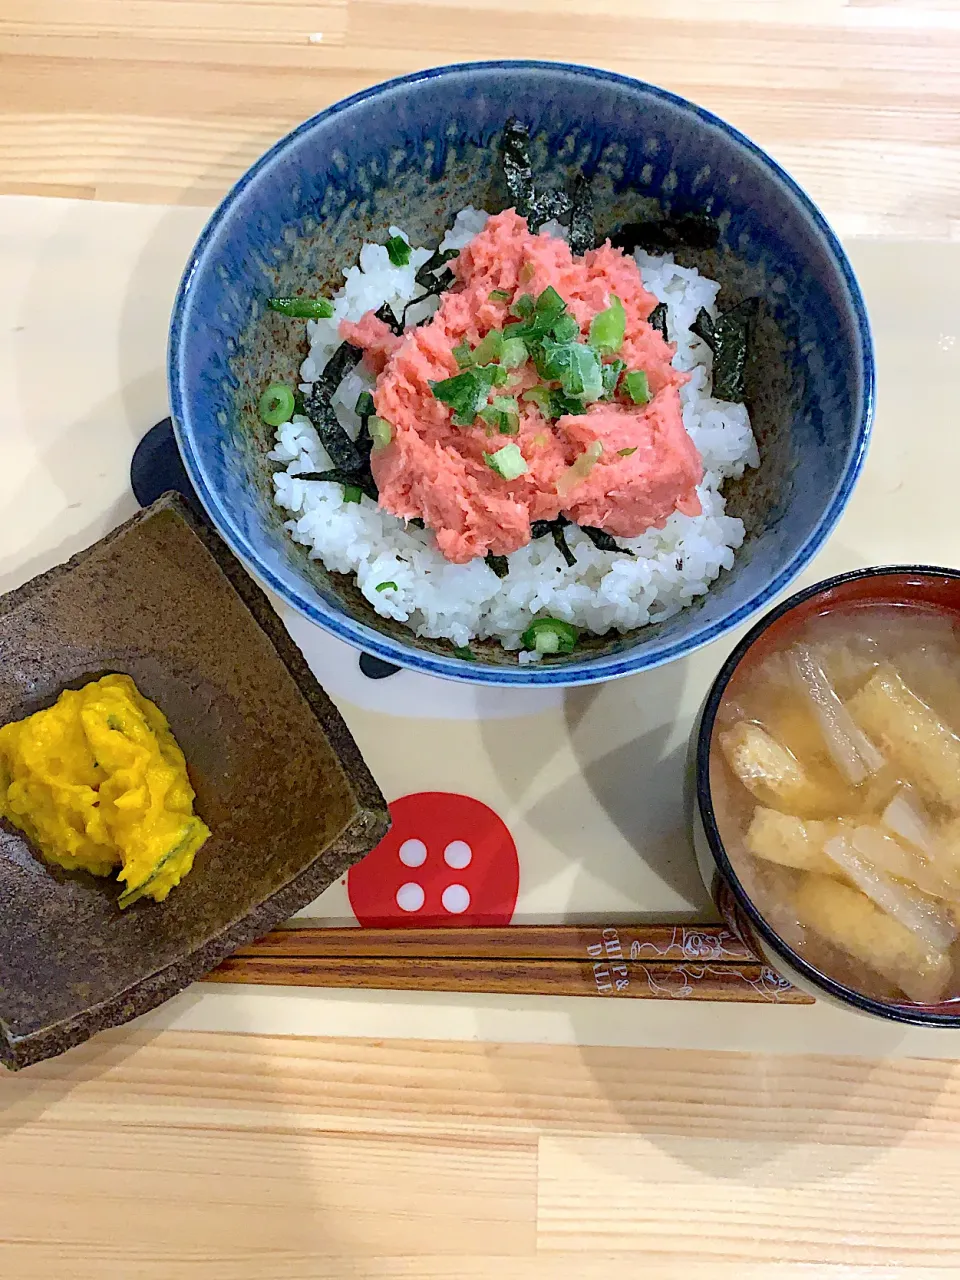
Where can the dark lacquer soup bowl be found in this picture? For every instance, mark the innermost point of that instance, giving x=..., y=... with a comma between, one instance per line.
x=869, y=612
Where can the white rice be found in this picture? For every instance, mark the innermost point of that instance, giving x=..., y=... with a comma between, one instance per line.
x=603, y=590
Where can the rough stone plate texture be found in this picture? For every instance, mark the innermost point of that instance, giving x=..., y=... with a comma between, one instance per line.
x=279, y=779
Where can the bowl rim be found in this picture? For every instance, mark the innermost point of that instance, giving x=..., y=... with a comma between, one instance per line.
x=587, y=670
x=916, y=1015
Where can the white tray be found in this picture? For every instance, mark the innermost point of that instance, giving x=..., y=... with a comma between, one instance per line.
x=588, y=781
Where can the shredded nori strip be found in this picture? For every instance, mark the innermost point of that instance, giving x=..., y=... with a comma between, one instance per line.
x=603, y=541
x=559, y=538
x=345, y=358
x=432, y=264
x=515, y=153
x=388, y=316
x=540, y=529
x=417, y=523
x=337, y=475
x=728, y=337
x=583, y=233
x=677, y=231
x=658, y=318
x=437, y=285
x=498, y=564
x=702, y=326
x=343, y=452
x=536, y=206
x=365, y=409
x=549, y=204
x=318, y=406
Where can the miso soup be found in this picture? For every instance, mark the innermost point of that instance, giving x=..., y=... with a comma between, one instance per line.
x=835, y=774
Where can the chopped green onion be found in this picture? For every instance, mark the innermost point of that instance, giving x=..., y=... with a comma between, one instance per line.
x=364, y=406
x=387, y=586
x=575, y=366
x=542, y=397
x=467, y=655
x=550, y=635
x=504, y=414
x=637, y=387
x=514, y=353
x=526, y=273
x=463, y=355
x=489, y=348
x=277, y=405
x=398, y=251
x=466, y=393
x=625, y=453
x=566, y=329
x=500, y=295
x=657, y=319
x=561, y=405
x=523, y=307
x=498, y=374
x=547, y=310
x=505, y=404
x=607, y=328
x=351, y=493
x=381, y=432
x=302, y=308
x=507, y=462
x=611, y=376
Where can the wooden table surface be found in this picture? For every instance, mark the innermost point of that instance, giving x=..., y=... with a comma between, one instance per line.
x=161, y=1156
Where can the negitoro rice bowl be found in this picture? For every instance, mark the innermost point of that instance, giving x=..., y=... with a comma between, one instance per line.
x=555, y=462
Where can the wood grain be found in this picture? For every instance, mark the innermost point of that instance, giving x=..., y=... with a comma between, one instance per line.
x=633, y=962
x=239, y=1157
x=170, y=102
x=662, y=943
x=622, y=979
x=181, y=1157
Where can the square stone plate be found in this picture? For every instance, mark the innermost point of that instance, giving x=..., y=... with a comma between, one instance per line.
x=279, y=780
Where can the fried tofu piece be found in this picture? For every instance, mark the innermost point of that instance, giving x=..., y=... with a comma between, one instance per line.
x=789, y=841
x=946, y=854
x=848, y=919
x=911, y=735
x=770, y=772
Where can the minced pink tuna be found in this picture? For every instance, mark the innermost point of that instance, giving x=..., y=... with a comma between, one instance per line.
x=647, y=466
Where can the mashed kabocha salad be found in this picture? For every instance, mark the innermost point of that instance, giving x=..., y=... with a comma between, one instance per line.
x=520, y=435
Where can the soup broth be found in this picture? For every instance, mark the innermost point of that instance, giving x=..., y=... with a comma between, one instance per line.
x=835, y=774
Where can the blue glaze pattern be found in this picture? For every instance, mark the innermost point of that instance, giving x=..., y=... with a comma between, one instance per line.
x=414, y=151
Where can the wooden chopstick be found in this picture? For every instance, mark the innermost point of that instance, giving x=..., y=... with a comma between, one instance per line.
x=636, y=961
x=754, y=982
x=654, y=942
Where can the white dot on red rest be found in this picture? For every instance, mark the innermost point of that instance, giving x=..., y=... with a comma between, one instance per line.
x=410, y=896
x=413, y=853
x=456, y=899
x=457, y=854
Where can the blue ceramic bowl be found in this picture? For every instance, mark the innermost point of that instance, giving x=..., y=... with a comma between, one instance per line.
x=414, y=151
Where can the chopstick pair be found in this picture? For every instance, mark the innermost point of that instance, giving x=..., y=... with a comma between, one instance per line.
x=644, y=961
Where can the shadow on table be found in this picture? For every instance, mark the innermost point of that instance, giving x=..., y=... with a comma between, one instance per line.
x=35, y=1093
x=787, y=1122
x=602, y=784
